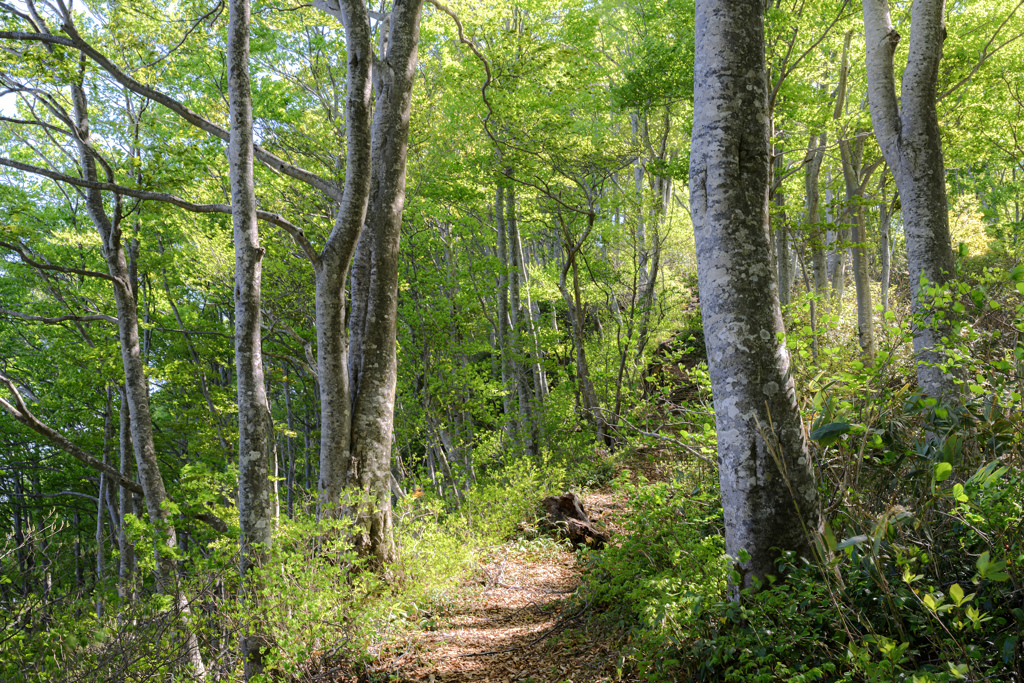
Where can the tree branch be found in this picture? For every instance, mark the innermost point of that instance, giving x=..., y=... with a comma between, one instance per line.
x=296, y=233
x=75, y=40
x=22, y=414
x=59, y=269
x=61, y=319
x=985, y=54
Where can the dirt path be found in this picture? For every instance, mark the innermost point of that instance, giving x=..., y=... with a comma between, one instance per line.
x=515, y=624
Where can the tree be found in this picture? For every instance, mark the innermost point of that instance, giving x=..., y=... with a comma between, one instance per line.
x=356, y=358
x=856, y=174
x=255, y=429
x=109, y=227
x=907, y=130
x=768, y=490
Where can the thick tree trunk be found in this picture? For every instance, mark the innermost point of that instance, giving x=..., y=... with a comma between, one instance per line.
x=907, y=130
x=332, y=350
x=255, y=431
x=334, y=355
x=376, y=367
x=768, y=490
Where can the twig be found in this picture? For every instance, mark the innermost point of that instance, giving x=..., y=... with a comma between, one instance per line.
x=676, y=442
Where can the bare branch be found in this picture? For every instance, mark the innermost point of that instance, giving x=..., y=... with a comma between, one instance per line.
x=61, y=319
x=297, y=233
x=60, y=269
x=22, y=414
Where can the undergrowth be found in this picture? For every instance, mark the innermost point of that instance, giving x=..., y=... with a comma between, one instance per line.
x=322, y=605
x=917, y=572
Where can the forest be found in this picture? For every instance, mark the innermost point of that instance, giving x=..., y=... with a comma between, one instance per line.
x=313, y=316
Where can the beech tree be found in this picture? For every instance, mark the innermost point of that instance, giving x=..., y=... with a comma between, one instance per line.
x=907, y=129
x=768, y=490
x=255, y=429
x=109, y=227
x=355, y=358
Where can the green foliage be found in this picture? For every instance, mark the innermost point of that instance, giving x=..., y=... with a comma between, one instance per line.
x=655, y=584
x=588, y=111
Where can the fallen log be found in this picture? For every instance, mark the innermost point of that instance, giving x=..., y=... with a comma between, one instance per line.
x=565, y=515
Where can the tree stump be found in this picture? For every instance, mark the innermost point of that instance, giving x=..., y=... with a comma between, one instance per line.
x=565, y=515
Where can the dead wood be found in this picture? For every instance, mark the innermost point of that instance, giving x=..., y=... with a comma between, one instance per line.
x=565, y=515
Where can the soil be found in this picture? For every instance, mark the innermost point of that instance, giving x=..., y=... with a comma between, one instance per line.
x=517, y=625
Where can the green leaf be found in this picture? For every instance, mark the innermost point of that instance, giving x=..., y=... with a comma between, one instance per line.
x=830, y=433
x=958, y=670
x=830, y=538
x=983, y=561
x=942, y=471
x=851, y=541
x=958, y=493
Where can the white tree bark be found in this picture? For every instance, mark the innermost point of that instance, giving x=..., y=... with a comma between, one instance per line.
x=255, y=431
x=907, y=130
x=136, y=384
x=768, y=490
x=375, y=370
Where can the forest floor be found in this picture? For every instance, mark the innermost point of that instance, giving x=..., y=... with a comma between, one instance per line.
x=514, y=622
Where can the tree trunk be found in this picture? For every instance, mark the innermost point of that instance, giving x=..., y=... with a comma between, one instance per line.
x=504, y=320
x=126, y=566
x=769, y=495
x=290, y=422
x=20, y=543
x=136, y=384
x=335, y=350
x=108, y=438
x=781, y=234
x=376, y=367
x=255, y=431
x=852, y=159
x=865, y=309
x=907, y=130
x=574, y=303
x=885, y=245
x=816, y=235
x=519, y=319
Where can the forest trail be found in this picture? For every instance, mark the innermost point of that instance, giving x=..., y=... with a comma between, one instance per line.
x=514, y=623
